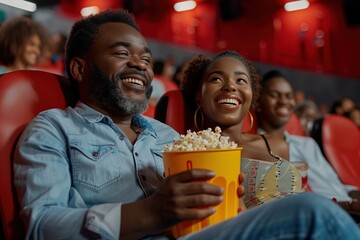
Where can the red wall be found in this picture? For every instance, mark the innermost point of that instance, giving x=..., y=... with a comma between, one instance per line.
x=315, y=39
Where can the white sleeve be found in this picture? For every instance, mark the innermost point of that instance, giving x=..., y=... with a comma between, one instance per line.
x=321, y=176
x=104, y=220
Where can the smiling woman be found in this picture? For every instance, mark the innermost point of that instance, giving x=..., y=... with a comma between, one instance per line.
x=22, y=43
x=221, y=91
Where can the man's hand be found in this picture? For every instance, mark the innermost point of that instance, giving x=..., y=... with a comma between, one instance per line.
x=241, y=192
x=185, y=196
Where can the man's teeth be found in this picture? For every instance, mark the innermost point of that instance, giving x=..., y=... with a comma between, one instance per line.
x=132, y=80
x=228, y=101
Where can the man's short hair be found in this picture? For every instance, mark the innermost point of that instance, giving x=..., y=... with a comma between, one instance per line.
x=86, y=30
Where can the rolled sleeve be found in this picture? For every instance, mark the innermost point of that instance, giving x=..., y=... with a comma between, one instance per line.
x=104, y=220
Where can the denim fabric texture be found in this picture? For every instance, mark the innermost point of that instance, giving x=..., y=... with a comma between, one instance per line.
x=75, y=168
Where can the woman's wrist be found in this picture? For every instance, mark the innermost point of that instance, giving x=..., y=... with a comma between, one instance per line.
x=351, y=205
x=348, y=205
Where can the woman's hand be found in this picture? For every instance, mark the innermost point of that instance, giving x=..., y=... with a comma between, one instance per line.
x=355, y=204
x=355, y=194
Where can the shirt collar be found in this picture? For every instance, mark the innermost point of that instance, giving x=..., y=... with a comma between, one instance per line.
x=138, y=122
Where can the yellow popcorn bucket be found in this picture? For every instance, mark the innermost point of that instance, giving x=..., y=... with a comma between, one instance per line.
x=226, y=164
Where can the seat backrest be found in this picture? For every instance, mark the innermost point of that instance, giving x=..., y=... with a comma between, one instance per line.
x=339, y=139
x=23, y=94
x=294, y=127
x=172, y=110
x=168, y=85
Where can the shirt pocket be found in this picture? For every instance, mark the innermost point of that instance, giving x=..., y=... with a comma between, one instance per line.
x=95, y=166
x=158, y=159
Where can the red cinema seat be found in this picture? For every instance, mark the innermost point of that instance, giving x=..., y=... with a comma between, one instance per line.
x=23, y=94
x=339, y=139
x=294, y=126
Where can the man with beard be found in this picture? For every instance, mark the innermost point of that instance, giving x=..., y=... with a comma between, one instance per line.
x=95, y=171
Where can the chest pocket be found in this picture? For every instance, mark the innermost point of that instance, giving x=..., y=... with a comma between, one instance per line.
x=158, y=159
x=94, y=166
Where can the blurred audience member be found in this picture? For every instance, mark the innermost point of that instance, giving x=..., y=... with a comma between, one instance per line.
x=179, y=73
x=22, y=43
x=165, y=68
x=323, y=109
x=161, y=83
x=59, y=47
x=308, y=112
x=162, y=76
x=299, y=97
x=342, y=105
x=275, y=106
x=53, y=60
x=354, y=115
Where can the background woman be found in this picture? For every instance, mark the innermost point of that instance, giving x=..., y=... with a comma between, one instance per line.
x=22, y=42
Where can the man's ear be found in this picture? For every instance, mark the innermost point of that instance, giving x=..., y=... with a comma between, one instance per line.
x=77, y=66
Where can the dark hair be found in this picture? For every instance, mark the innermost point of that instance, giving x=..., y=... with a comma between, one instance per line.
x=197, y=67
x=338, y=103
x=271, y=75
x=86, y=30
x=15, y=33
x=159, y=67
x=305, y=105
x=348, y=114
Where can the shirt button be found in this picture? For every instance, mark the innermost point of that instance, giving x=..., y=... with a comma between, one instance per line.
x=136, y=154
x=95, y=154
x=121, y=138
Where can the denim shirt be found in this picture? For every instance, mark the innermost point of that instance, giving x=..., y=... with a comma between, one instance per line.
x=73, y=169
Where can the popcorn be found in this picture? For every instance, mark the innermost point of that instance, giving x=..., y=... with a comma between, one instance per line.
x=201, y=140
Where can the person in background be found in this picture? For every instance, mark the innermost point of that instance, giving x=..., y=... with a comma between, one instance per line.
x=179, y=73
x=96, y=171
x=161, y=84
x=165, y=68
x=342, y=105
x=307, y=112
x=59, y=40
x=274, y=108
x=299, y=97
x=22, y=43
x=354, y=115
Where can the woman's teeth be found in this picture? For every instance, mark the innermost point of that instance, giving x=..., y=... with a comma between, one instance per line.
x=228, y=101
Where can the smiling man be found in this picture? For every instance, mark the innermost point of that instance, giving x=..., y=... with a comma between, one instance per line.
x=95, y=171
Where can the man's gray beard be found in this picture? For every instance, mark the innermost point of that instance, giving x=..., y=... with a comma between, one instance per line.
x=106, y=92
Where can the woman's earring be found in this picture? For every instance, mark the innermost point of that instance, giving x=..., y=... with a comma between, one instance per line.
x=251, y=122
x=195, y=118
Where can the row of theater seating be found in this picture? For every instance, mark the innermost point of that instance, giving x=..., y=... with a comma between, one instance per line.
x=23, y=94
